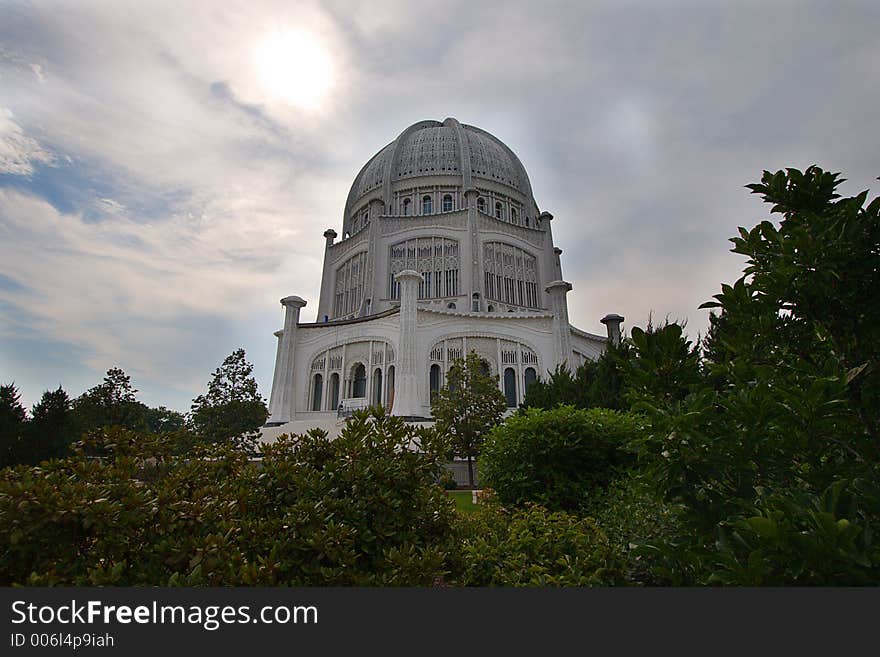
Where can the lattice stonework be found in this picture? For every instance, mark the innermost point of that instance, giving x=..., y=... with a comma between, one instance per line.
x=435, y=258
x=428, y=151
x=511, y=274
x=350, y=285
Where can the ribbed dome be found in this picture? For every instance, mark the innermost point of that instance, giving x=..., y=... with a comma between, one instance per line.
x=468, y=155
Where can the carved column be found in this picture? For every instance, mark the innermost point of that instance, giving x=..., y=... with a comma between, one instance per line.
x=470, y=260
x=282, y=406
x=558, y=291
x=406, y=396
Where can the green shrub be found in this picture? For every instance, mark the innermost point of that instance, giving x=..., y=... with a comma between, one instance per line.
x=359, y=510
x=556, y=458
x=634, y=515
x=532, y=546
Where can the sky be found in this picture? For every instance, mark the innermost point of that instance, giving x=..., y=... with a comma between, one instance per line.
x=167, y=169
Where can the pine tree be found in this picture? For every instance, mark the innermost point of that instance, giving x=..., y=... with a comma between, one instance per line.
x=50, y=431
x=13, y=418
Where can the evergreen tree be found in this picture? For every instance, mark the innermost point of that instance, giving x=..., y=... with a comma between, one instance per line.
x=467, y=407
x=232, y=410
x=50, y=431
x=12, y=422
x=112, y=403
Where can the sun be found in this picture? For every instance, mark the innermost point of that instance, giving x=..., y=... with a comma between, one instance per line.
x=295, y=68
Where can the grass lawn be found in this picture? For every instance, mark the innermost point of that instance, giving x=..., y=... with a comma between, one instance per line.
x=463, y=500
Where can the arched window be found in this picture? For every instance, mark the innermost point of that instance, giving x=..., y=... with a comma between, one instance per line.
x=451, y=305
x=427, y=205
x=377, y=387
x=510, y=387
x=334, y=391
x=475, y=303
x=389, y=389
x=481, y=204
x=359, y=383
x=434, y=380
x=513, y=215
x=317, y=389
x=447, y=203
x=527, y=222
x=491, y=308
x=406, y=203
x=499, y=210
x=530, y=376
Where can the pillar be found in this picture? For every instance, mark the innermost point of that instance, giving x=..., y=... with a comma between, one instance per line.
x=406, y=383
x=612, y=325
x=283, y=398
x=558, y=291
x=471, y=256
x=325, y=302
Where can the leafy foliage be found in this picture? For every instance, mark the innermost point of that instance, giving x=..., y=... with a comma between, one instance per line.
x=358, y=510
x=232, y=409
x=112, y=403
x=467, y=407
x=597, y=383
x=531, y=546
x=556, y=458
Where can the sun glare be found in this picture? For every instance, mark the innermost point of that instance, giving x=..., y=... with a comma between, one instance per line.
x=295, y=68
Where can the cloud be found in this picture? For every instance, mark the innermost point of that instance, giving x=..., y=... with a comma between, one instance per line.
x=19, y=154
x=156, y=201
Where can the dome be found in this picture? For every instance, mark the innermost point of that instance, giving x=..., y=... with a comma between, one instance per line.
x=448, y=153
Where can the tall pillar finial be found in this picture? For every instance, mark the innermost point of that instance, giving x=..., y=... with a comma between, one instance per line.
x=558, y=291
x=612, y=324
x=281, y=400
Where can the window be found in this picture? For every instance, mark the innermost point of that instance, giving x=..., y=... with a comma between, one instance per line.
x=317, y=389
x=530, y=377
x=427, y=205
x=377, y=387
x=481, y=204
x=491, y=308
x=513, y=215
x=447, y=203
x=334, y=391
x=527, y=222
x=510, y=387
x=389, y=388
x=499, y=210
x=406, y=203
x=349, y=285
x=434, y=380
x=511, y=274
x=435, y=258
x=450, y=305
x=359, y=383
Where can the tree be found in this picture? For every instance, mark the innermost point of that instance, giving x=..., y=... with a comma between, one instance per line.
x=164, y=420
x=595, y=384
x=50, y=431
x=12, y=422
x=467, y=407
x=112, y=403
x=232, y=410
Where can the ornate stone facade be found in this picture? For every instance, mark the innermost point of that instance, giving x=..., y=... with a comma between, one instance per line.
x=443, y=251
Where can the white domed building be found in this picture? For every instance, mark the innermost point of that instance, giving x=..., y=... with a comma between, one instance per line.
x=444, y=251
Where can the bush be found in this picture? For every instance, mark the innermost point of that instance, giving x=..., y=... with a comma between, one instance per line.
x=359, y=510
x=532, y=546
x=634, y=516
x=556, y=458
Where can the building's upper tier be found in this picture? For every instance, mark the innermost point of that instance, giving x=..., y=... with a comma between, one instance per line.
x=444, y=155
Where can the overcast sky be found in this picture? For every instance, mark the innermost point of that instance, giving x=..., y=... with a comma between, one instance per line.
x=167, y=169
